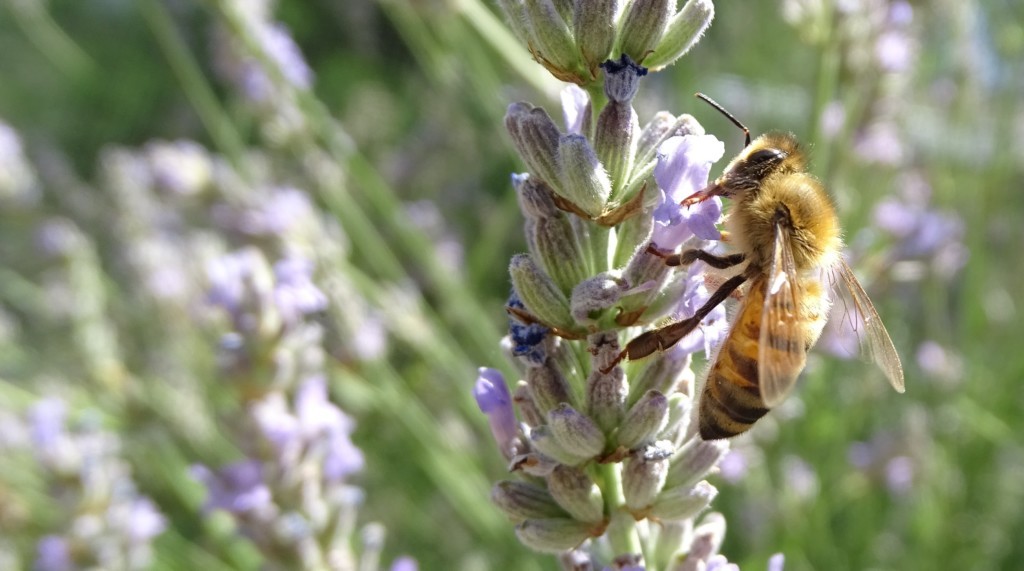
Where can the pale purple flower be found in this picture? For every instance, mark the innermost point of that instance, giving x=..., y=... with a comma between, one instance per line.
x=734, y=465
x=494, y=400
x=237, y=488
x=180, y=167
x=776, y=562
x=322, y=419
x=142, y=521
x=939, y=362
x=285, y=208
x=922, y=231
x=880, y=143
x=404, y=563
x=714, y=327
x=800, y=477
x=46, y=419
x=899, y=475
x=248, y=71
x=53, y=553
x=682, y=169
x=295, y=294
x=315, y=424
x=574, y=108
x=235, y=276
x=720, y=563
x=861, y=455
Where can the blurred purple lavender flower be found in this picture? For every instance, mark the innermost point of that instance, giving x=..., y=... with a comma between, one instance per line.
x=295, y=478
x=19, y=184
x=683, y=167
x=295, y=294
x=248, y=71
x=106, y=523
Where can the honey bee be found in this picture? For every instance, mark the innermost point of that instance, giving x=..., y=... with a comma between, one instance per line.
x=787, y=239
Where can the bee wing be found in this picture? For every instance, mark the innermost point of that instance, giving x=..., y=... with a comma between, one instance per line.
x=874, y=340
x=781, y=351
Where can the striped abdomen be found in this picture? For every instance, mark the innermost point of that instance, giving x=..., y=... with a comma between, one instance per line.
x=731, y=400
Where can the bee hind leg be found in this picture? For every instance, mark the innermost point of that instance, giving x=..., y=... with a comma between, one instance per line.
x=688, y=257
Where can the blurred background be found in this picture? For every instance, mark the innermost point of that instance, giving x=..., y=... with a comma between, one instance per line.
x=205, y=203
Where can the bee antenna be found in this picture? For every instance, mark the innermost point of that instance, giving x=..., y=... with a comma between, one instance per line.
x=722, y=110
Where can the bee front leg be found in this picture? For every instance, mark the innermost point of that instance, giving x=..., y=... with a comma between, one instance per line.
x=688, y=257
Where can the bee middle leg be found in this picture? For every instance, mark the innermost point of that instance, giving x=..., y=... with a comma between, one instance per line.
x=688, y=257
x=660, y=339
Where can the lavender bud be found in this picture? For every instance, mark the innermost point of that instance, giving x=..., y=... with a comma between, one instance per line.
x=615, y=141
x=538, y=292
x=560, y=251
x=554, y=535
x=707, y=537
x=606, y=397
x=593, y=24
x=622, y=79
x=591, y=297
x=661, y=373
x=683, y=32
x=543, y=439
x=642, y=26
x=548, y=387
x=572, y=489
x=643, y=476
x=575, y=432
x=521, y=501
x=632, y=236
x=644, y=421
x=694, y=460
x=536, y=138
x=533, y=464
x=678, y=424
x=552, y=44
x=683, y=502
x=534, y=197
x=584, y=180
x=528, y=410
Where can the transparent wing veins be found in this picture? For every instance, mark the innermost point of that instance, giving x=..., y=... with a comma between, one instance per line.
x=781, y=352
x=874, y=340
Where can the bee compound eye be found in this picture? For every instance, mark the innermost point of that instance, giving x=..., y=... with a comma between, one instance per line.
x=763, y=156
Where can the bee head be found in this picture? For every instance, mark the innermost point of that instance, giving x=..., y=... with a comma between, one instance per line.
x=767, y=155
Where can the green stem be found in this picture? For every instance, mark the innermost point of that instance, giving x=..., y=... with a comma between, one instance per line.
x=621, y=532
x=197, y=89
x=828, y=79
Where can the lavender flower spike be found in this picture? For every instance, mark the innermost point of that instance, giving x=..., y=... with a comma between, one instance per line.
x=683, y=167
x=494, y=400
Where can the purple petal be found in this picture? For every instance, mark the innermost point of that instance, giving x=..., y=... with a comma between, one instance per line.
x=494, y=400
x=574, y=108
x=682, y=169
x=684, y=163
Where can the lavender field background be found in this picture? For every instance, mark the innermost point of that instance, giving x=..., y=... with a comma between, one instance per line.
x=252, y=254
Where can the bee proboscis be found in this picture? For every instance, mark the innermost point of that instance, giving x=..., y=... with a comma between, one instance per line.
x=786, y=234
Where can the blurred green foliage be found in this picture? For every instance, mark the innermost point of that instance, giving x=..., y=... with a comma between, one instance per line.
x=421, y=87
